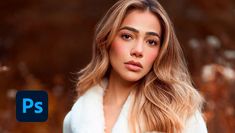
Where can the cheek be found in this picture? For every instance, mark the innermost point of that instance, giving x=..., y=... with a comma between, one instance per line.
x=151, y=56
x=117, y=49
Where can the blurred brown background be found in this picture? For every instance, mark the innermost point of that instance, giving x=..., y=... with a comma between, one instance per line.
x=43, y=43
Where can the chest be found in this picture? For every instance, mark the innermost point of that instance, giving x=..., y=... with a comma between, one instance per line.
x=90, y=115
x=111, y=115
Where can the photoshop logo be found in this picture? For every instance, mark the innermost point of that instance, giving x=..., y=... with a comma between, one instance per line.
x=31, y=106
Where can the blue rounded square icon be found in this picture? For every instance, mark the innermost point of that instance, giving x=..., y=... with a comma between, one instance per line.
x=31, y=106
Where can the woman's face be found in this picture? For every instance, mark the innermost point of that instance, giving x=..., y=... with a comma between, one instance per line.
x=135, y=46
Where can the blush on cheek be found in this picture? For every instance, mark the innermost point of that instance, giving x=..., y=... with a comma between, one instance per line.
x=151, y=56
x=117, y=48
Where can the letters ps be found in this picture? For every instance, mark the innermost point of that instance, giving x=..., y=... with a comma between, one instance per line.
x=31, y=106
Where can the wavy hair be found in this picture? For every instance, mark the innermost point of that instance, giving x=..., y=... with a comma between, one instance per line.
x=165, y=97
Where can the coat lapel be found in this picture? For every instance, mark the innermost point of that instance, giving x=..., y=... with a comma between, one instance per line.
x=87, y=114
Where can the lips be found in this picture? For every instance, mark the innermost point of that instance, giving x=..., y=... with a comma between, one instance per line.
x=133, y=66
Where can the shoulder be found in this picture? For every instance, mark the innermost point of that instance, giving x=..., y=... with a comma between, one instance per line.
x=75, y=112
x=82, y=109
x=195, y=124
x=71, y=117
x=66, y=123
x=86, y=99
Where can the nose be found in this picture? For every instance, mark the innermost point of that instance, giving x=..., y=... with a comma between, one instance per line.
x=137, y=49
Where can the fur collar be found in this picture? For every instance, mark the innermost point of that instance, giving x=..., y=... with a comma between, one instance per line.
x=87, y=115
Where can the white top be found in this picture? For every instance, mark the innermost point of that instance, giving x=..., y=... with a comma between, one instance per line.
x=87, y=116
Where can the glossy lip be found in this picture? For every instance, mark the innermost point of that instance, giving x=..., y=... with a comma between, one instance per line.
x=138, y=64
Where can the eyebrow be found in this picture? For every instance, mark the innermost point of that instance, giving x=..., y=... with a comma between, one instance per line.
x=135, y=30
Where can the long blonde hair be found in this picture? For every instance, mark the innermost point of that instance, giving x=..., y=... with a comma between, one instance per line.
x=165, y=97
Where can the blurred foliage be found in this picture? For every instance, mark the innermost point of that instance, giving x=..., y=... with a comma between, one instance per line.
x=44, y=43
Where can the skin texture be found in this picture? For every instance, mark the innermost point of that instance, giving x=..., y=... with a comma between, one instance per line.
x=130, y=45
x=138, y=39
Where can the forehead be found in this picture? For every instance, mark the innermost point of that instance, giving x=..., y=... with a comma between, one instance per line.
x=142, y=20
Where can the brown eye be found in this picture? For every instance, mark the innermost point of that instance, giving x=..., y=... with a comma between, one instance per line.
x=152, y=42
x=126, y=37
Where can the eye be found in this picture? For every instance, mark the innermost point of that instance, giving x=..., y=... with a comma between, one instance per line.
x=152, y=42
x=126, y=36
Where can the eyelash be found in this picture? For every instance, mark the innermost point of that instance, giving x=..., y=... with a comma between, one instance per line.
x=123, y=36
x=127, y=37
x=151, y=40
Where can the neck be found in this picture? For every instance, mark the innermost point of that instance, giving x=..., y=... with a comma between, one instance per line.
x=117, y=90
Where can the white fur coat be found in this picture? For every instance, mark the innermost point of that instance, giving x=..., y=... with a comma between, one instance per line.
x=87, y=116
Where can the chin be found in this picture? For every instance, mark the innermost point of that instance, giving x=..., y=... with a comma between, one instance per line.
x=132, y=77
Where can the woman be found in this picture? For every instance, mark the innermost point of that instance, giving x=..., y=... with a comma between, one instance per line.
x=137, y=80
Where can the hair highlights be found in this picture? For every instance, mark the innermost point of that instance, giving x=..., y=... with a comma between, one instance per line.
x=165, y=97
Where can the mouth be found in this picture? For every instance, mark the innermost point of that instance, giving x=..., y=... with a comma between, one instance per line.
x=133, y=66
